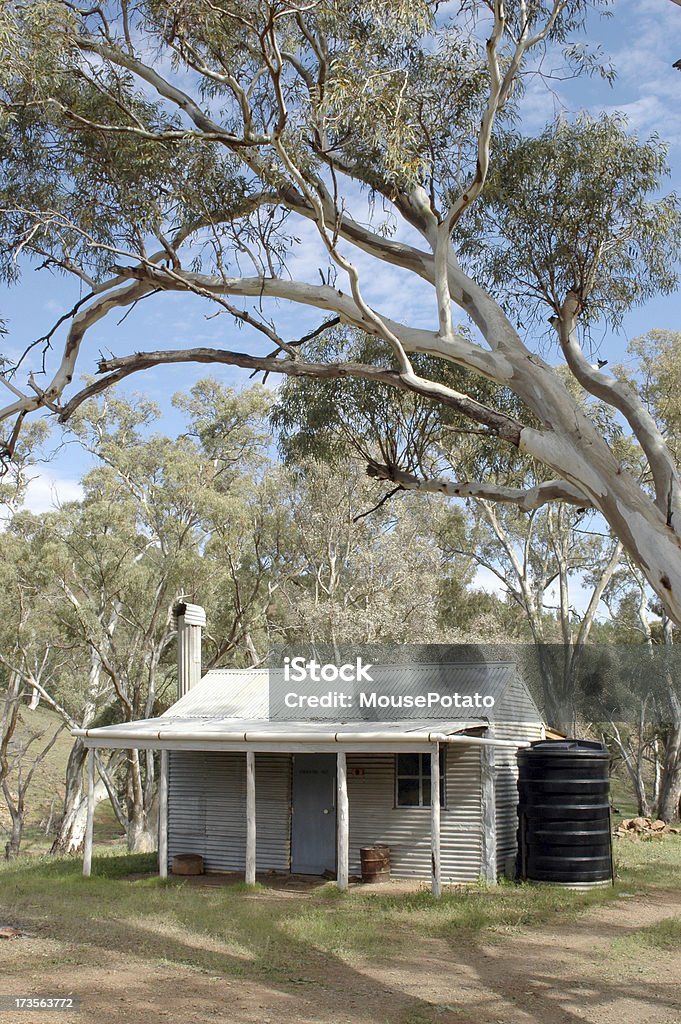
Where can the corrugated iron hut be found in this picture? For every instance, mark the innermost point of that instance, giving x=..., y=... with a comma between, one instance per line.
x=251, y=793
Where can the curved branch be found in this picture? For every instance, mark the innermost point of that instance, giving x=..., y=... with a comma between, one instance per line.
x=622, y=397
x=394, y=253
x=117, y=369
x=525, y=500
x=164, y=88
x=149, y=278
x=412, y=208
x=81, y=322
x=166, y=135
x=456, y=348
x=500, y=89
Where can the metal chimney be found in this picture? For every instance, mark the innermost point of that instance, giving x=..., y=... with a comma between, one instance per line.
x=190, y=620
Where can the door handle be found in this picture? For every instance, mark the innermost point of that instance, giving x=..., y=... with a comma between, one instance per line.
x=326, y=810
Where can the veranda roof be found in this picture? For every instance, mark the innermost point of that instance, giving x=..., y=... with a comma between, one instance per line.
x=239, y=734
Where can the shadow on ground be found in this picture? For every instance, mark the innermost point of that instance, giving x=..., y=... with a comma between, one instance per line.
x=137, y=949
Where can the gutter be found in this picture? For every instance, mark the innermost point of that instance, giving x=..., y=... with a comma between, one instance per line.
x=167, y=735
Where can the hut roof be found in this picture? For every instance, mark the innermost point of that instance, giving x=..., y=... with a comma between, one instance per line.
x=239, y=708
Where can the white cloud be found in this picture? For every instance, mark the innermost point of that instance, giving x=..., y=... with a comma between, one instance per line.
x=48, y=491
x=651, y=113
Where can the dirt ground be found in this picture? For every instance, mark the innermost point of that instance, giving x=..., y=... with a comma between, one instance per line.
x=548, y=975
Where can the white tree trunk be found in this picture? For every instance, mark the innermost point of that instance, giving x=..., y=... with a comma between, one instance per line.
x=74, y=828
x=141, y=829
x=669, y=800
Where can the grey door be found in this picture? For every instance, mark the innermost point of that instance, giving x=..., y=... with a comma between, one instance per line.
x=313, y=822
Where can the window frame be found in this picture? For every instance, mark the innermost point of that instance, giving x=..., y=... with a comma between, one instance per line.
x=422, y=777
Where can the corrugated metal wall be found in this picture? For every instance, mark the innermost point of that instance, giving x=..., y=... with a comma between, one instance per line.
x=517, y=705
x=506, y=781
x=206, y=813
x=207, y=809
x=406, y=830
x=513, y=721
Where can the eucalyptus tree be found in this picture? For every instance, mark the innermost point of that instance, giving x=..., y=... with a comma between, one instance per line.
x=531, y=551
x=25, y=650
x=657, y=373
x=244, y=518
x=639, y=744
x=29, y=656
x=20, y=757
x=31, y=663
x=114, y=611
x=140, y=540
x=151, y=148
x=359, y=574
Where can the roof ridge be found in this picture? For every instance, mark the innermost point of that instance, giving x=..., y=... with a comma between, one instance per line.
x=376, y=664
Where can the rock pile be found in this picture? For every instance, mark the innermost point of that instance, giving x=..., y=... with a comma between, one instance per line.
x=644, y=828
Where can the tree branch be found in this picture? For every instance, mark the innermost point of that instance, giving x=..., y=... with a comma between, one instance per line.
x=118, y=368
x=525, y=500
x=621, y=396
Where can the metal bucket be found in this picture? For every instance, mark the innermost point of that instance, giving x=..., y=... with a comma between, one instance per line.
x=375, y=862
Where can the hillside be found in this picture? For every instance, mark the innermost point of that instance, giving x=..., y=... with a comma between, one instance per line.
x=46, y=793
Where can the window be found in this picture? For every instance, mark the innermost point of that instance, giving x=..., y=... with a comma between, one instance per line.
x=412, y=780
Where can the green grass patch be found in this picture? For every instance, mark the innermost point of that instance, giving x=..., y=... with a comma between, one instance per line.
x=663, y=936
x=360, y=922
x=622, y=798
x=648, y=864
x=253, y=931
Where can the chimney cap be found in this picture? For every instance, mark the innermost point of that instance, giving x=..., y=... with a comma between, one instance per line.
x=194, y=614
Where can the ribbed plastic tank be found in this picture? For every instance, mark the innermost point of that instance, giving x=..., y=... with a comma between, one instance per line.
x=564, y=830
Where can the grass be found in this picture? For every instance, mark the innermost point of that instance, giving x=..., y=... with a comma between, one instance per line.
x=260, y=944
x=649, y=863
x=238, y=930
x=360, y=922
x=661, y=937
x=622, y=799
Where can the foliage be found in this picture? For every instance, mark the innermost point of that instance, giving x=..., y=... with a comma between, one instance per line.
x=572, y=210
x=189, y=146
x=375, y=579
x=337, y=419
x=657, y=367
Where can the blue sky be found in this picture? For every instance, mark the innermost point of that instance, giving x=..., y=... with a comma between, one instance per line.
x=641, y=38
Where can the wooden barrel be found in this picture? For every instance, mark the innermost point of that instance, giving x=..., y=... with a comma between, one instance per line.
x=375, y=862
x=187, y=864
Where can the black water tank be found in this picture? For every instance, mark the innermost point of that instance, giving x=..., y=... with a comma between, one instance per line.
x=564, y=830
